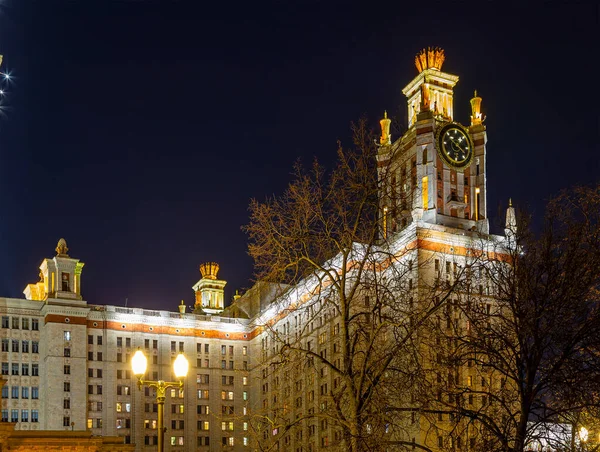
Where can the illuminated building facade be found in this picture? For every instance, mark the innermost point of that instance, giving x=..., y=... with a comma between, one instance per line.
x=67, y=363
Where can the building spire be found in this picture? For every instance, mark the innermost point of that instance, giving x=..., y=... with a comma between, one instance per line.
x=510, y=228
x=476, y=116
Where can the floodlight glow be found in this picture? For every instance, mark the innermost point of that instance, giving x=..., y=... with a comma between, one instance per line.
x=583, y=434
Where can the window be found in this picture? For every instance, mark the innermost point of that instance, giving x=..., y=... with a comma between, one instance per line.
x=15, y=323
x=5, y=392
x=35, y=347
x=35, y=370
x=35, y=392
x=223, y=349
x=181, y=347
x=226, y=395
x=4, y=415
x=205, y=348
x=99, y=389
x=5, y=324
x=67, y=369
x=67, y=404
x=99, y=340
x=4, y=368
x=24, y=415
x=155, y=344
x=67, y=335
x=15, y=345
x=15, y=369
x=146, y=343
x=203, y=394
x=14, y=415
x=67, y=352
x=244, y=350
x=99, y=357
x=34, y=416
x=25, y=346
x=4, y=345
x=35, y=326
x=14, y=392
x=173, y=346
x=24, y=323
x=227, y=425
x=176, y=440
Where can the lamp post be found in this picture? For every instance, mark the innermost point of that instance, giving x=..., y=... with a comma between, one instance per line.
x=139, y=362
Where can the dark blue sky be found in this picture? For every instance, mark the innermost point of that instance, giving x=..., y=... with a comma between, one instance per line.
x=139, y=130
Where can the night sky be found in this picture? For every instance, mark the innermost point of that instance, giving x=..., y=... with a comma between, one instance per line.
x=139, y=130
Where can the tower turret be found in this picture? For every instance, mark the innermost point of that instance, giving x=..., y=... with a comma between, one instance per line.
x=60, y=277
x=209, y=290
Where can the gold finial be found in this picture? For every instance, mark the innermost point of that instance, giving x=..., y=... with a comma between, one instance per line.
x=385, y=138
x=181, y=307
x=209, y=270
x=509, y=202
x=476, y=116
x=237, y=295
x=430, y=58
x=61, y=248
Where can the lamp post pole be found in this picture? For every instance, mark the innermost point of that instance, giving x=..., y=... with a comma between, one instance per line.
x=139, y=363
x=161, y=392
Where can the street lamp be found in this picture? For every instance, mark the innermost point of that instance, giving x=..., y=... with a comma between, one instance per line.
x=139, y=362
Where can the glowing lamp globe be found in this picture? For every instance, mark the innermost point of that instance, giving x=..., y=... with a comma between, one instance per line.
x=180, y=366
x=139, y=362
x=583, y=434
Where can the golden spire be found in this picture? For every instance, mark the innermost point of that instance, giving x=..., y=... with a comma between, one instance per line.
x=385, y=138
x=476, y=117
x=209, y=270
x=430, y=58
x=181, y=307
x=61, y=248
x=509, y=202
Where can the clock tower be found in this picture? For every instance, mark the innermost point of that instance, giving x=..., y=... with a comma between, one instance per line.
x=435, y=172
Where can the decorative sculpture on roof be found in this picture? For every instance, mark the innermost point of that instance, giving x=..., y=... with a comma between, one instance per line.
x=61, y=248
x=430, y=58
x=209, y=270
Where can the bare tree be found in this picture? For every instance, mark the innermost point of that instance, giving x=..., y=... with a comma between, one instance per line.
x=339, y=353
x=526, y=353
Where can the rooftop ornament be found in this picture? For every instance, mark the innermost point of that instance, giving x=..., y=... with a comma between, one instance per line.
x=430, y=58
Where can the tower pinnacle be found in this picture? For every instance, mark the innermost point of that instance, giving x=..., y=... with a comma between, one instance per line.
x=385, y=138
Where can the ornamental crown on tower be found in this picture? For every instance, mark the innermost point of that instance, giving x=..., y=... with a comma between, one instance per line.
x=209, y=270
x=430, y=58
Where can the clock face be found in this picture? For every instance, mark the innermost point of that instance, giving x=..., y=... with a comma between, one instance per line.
x=455, y=145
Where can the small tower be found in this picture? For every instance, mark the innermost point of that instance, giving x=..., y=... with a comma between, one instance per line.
x=60, y=277
x=209, y=290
